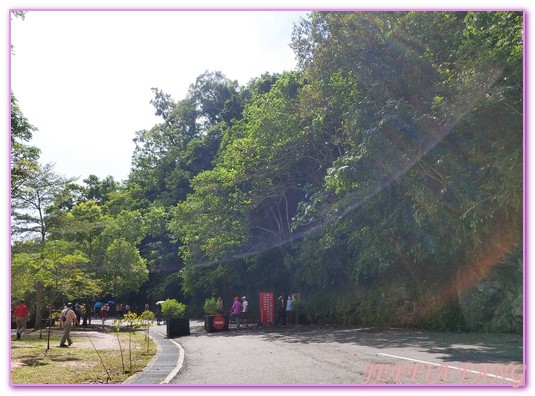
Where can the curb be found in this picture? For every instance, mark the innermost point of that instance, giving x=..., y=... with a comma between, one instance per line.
x=164, y=366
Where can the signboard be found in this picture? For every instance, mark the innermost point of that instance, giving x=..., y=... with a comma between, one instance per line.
x=267, y=308
x=218, y=322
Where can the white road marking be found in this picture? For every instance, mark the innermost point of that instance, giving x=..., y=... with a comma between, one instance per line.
x=450, y=367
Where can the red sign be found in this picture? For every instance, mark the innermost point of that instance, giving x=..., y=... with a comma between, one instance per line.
x=218, y=322
x=267, y=306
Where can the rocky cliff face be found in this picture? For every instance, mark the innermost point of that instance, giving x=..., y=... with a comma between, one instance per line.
x=495, y=302
x=485, y=296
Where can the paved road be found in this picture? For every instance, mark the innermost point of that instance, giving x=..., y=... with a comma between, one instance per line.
x=336, y=356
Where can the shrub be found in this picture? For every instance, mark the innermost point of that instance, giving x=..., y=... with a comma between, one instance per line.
x=171, y=308
x=210, y=306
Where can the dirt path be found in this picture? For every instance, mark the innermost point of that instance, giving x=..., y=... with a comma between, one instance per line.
x=35, y=361
x=103, y=339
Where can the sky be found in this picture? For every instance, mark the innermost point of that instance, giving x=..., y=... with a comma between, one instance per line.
x=83, y=78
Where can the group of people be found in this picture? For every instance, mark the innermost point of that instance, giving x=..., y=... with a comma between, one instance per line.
x=238, y=308
x=71, y=315
x=102, y=311
x=284, y=309
x=82, y=312
x=123, y=309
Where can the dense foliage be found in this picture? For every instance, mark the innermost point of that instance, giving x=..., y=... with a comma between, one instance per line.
x=382, y=180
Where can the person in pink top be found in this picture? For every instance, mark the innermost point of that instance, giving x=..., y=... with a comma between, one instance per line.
x=236, y=310
x=104, y=313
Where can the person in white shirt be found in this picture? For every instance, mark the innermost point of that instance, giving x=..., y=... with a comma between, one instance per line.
x=245, y=303
x=289, y=303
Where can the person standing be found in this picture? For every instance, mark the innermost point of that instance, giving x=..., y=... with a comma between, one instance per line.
x=84, y=309
x=89, y=314
x=78, y=312
x=21, y=317
x=281, y=310
x=68, y=318
x=245, y=303
x=158, y=314
x=236, y=311
x=104, y=313
x=289, y=309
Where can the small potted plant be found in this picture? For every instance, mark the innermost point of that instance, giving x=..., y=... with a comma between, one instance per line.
x=213, y=319
x=177, y=324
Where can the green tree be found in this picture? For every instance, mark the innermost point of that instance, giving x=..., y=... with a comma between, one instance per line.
x=124, y=269
x=157, y=248
x=100, y=191
x=210, y=213
x=24, y=158
x=168, y=155
x=58, y=271
x=83, y=224
x=387, y=150
x=246, y=203
x=216, y=99
x=31, y=199
x=412, y=185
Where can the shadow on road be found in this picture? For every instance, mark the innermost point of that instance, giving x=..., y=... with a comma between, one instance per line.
x=449, y=347
x=464, y=347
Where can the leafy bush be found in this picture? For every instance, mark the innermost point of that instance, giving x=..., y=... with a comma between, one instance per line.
x=147, y=315
x=449, y=318
x=210, y=306
x=171, y=308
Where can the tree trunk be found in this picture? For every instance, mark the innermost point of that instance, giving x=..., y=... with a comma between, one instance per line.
x=38, y=304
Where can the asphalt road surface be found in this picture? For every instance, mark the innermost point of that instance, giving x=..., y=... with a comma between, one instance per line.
x=312, y=355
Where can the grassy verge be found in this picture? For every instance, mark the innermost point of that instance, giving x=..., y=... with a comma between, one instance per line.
x=94, y=358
